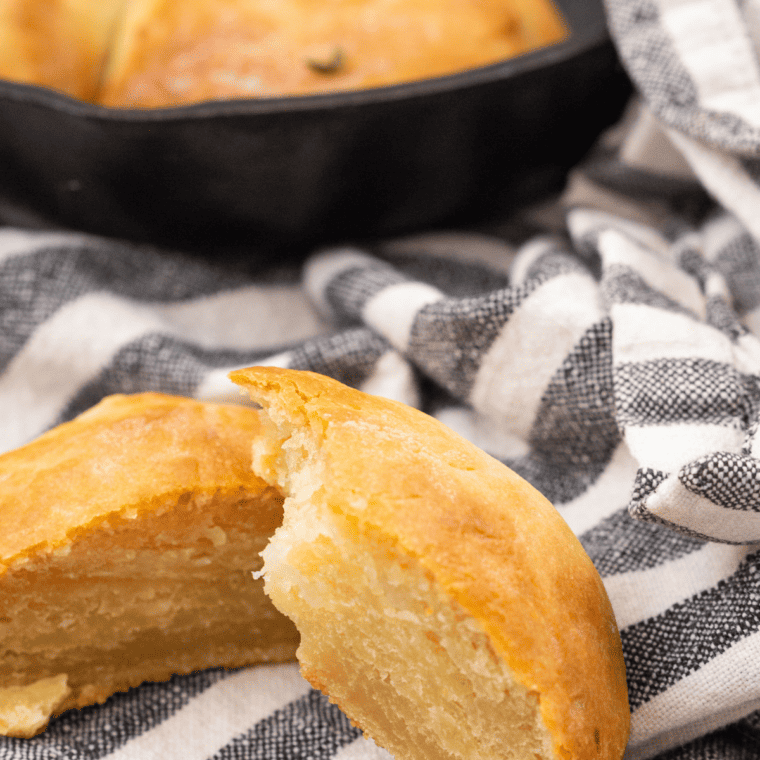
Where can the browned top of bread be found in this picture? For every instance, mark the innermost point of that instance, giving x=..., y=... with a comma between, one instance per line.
x=170, y=53
x=491, y=541
x=153, y=53
x=60, y=44
x=128, y=453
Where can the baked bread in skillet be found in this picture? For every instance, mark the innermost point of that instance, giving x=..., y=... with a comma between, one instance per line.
x=173, y=53
x=156, y=53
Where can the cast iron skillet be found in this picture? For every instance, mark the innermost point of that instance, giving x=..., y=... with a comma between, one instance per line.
x=283, y=174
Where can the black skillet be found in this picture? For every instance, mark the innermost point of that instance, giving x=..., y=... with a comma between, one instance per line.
x=282, y=174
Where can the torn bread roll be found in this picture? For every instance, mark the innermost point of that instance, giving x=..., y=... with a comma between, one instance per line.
x=128, y=538
x=442, y=602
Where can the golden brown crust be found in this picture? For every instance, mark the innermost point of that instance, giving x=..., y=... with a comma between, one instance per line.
x=170, y=53
x=492, y=542
x=127, y=541
x=60, y=44
x=145, y=447
x=154, y=53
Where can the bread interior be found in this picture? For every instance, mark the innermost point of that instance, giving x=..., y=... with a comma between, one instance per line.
x=141, y=597
x=406, y=662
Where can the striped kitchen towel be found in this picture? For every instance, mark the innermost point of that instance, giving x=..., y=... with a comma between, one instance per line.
x=608, y=365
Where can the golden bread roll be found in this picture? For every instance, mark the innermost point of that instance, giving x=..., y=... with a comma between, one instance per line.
x=127, y=541
x=61, y=44
x=442, y=602
x=170, y=53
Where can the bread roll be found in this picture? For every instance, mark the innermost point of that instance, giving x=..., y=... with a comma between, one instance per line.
x=127, y=541
x=442, y=602
x=171, y=53
x=60, y=44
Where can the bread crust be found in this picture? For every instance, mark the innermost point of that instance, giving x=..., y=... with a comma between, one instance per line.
x=138, y=525
x=62, y=44
x=491, y=541
x=147, y=448
x=169, y=53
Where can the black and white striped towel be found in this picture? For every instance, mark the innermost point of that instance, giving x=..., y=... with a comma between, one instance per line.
x=612, y=358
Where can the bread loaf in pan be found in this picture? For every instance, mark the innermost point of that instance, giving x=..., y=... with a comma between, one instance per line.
x=159, y=53
x=442, y=602
x=267, y=177
x=167, y=53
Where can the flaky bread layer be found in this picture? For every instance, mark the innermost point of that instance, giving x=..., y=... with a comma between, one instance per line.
x=131, y=536
x=373, y=485
x=143, y=599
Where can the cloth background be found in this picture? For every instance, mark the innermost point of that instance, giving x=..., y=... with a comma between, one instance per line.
x=603, y=345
